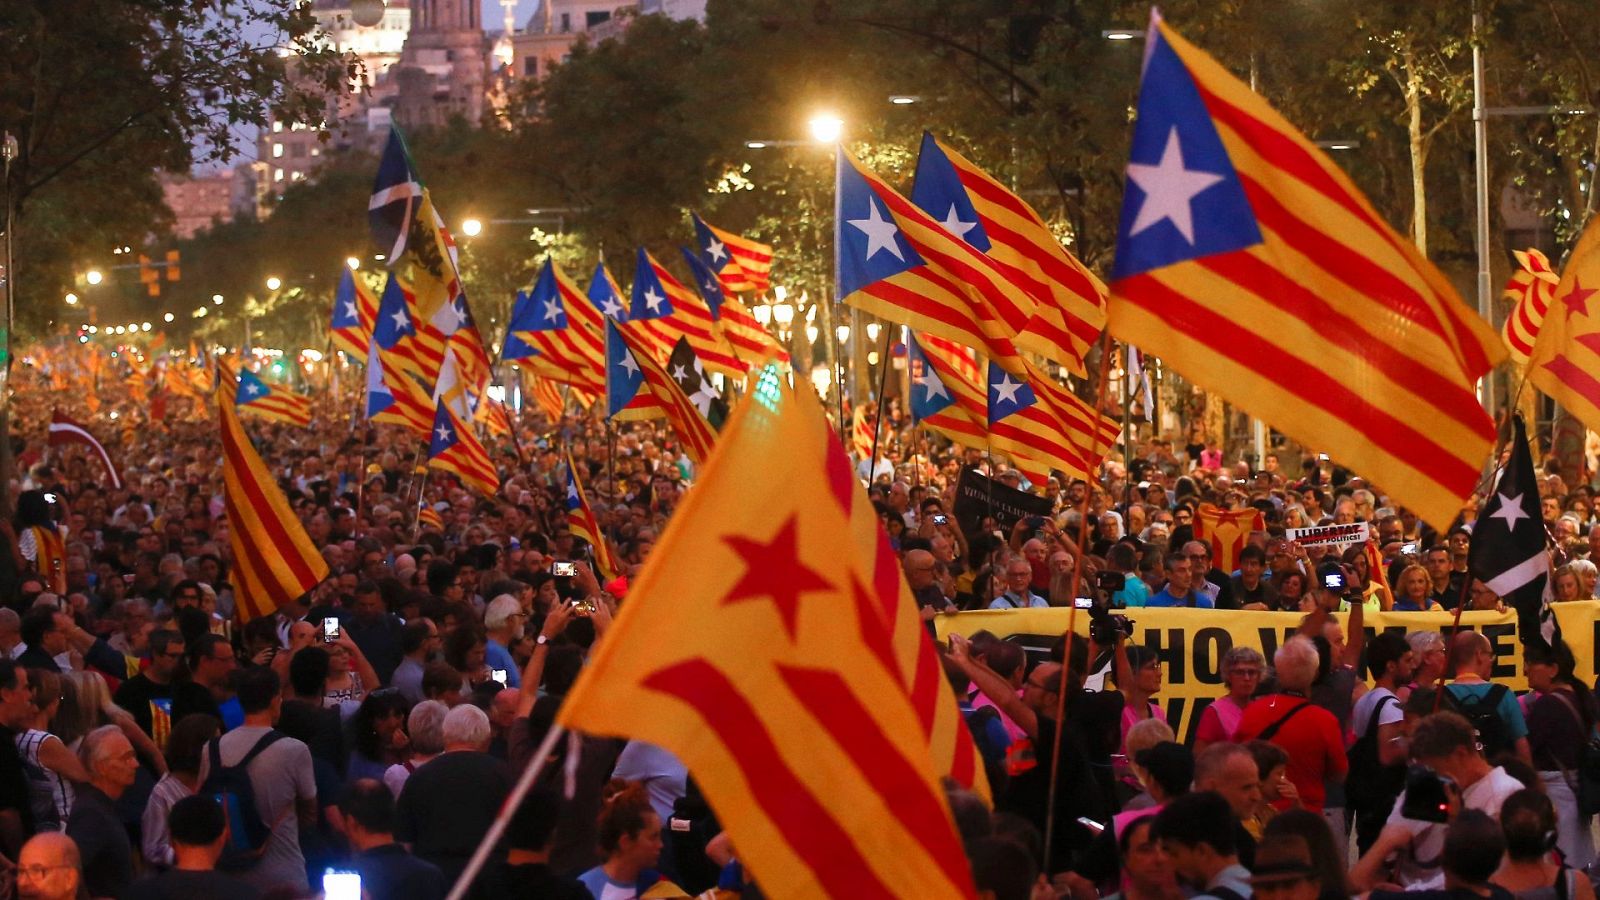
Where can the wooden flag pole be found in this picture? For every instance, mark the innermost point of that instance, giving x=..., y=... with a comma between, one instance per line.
x=877, y=422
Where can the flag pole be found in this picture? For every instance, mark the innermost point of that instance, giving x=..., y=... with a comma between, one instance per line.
x=877, y=422
x=422, y=498
x=1072, y=611
x=502, y=819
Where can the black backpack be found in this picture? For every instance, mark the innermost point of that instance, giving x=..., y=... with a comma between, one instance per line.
x=1371, y=785
x=1484, y=714
x=248, y=832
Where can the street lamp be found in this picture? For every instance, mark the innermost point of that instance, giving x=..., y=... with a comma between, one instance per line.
x=168, y=317
x=763, y=314
x=145, y=327
x=217, y=299
x=352, y=262
x=472, y=227
x=94, y=276
x=273, y=283
x=783, y=314
x=1121, y=34
x=72, y=299
x=903, y=99
x=843, y=332
x=872, y=331
x=826, y=128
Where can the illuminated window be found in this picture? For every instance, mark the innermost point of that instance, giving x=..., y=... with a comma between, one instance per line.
x=277, y=149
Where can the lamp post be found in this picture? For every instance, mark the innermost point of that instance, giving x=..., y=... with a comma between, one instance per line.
x=9, y=150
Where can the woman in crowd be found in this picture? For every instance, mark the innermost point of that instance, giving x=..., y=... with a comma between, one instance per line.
x=426, y=727
x=1529, y=870
x=1289, y=587
x=350, y=676
x=1560, y=723
x=86, y=704
x=630, y=838
x=1413, y=589
x=378, y=735
x=465, y=650
x=1143, y=681
x=1566, y=585
x=51, y=769
x=185, y=751
x=1242, y=668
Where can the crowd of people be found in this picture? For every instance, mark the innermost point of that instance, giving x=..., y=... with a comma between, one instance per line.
x=159, y=748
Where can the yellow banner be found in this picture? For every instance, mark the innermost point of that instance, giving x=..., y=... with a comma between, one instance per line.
x=1191, y=642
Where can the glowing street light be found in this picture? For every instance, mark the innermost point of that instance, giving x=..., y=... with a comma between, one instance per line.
x=843, y=333
x=145, y=327
x=1121, y=34
x=72, y=299
x=217, y=299
x=872, y=330
x=274, y=282
x=168, y=317
x=94, y=276
x=352, y=262
x=472, y=227
x=826, y=128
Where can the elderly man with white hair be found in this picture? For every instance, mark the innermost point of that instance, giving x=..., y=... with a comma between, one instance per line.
x=502, y=620
x=1307, y=732
x=449, y=803
x=94, y=824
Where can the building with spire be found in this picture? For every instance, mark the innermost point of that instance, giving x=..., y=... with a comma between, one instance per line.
x=443, y=71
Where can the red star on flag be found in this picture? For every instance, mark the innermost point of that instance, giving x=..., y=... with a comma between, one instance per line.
x=773, y=569
x=1577, y=299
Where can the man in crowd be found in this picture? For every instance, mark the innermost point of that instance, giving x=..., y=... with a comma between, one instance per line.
x=374, y=629
x=199, y=829
x=50, y=868
x=1307, y=732
x=1492, y=708
x=1179, y=590
x=448, y=803
x=387, y=868
x=1197, y=832
x=162, y=693
x=95, y=825
x=419, y=642
x=1018, y=595
x=214, y=664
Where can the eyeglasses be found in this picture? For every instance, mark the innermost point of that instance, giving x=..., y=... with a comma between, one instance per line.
x=37, y=873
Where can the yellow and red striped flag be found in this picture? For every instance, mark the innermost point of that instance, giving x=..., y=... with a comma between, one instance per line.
x=692, y=428
x=863, y=430
x=898, y=263
x=814, y=714
x=428, y=517
x=1227, y=531
x=1244, y=253
x=752, y=342
x=664, y=310
x=271, y=401
x=494, y=416
x=355, y=309
x=582, y=523
x=274, y=560
x=741, y=264
x=454, y=448
x=557, y=333
x=393, y=396
x=1566, y=357
x=948, y=397
x=1069, y=308
x=547, y=396
x=1530, y=289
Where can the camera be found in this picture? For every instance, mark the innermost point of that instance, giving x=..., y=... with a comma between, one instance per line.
x=1106, y=629
x=1331, y=577
x=584, y=607
x=941, y=519
x=1427, y=796
x=1110, y=581
x=563, y=569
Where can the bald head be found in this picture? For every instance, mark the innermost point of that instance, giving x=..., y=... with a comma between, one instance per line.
x=59, y=869
x=1472, y=652
x=919, y=566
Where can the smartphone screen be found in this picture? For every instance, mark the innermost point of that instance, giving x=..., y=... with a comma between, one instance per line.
x=341, y=885
x=330, y=629
x=563, y=569
x=1083, y=602
x=498, y=675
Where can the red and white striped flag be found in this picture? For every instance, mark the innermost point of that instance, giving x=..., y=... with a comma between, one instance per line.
x=64, y=431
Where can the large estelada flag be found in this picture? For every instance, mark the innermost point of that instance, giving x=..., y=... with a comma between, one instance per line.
x=557, y=333
x=780, y=647
x=1508, y=552
x=897, y=262
x=681, y=412
x=1227, y=531
x=275, y=560
x=1069, y=307
x=628, y=395
x=355, y=309
x=269, y=400
x=1565, y=362
x=393, y=396
x=65, y=432
x=738, y=325
x=1247, y=261
x=742, y=264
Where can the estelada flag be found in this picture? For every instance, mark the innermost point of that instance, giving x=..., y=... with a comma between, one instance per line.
x=1227, y=531
x=780, y=650
x=742, y=264
x=1247, y=261
x=1566, y=359
x=274, y=559
x=1069, y=308
x=454, y=448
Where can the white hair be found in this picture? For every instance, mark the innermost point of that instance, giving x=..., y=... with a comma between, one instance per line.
x=499, y=612
x=1296, y=663
x=425, y=725
x=466, y=725
x=1586, y=566
x=94, y=745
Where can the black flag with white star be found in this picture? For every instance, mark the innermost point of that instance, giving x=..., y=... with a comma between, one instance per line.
x=1508, y=552
x=686, y=370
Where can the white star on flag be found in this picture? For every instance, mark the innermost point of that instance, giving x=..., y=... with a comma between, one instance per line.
x=1005, y=390
x=715, y=250
x=443, y=433
x=931, y=383
x=880, y=232
x=630, y=364
x=1510, y=511
x=1169, y=190
x=653, y=300
x=552, y=310
x=612, y=307
x=679, y=375
x=953, y=224
x=350, y=309
x=572, y=490
x=401, y=320
x=252, y=389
